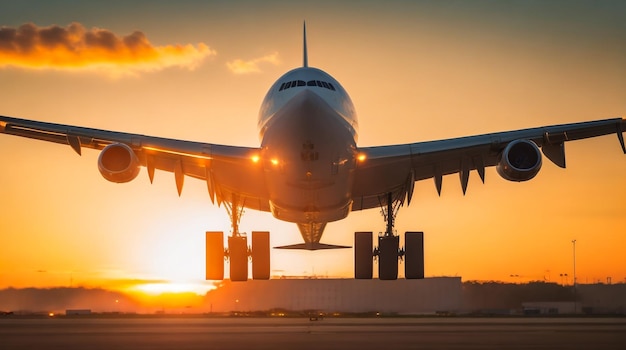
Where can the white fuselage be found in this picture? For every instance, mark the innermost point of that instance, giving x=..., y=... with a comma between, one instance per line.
x=308, y=131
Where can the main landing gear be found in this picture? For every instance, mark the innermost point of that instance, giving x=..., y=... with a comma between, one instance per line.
x=388, y=252
x=238, y=252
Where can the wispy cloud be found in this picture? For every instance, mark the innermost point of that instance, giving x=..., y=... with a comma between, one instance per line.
x=240, y=66
x=76, y=48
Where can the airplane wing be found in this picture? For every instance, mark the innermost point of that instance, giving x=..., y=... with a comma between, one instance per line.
x=394, y=169
x=227, y=170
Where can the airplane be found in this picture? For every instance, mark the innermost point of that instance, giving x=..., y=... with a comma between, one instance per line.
x=308, y=170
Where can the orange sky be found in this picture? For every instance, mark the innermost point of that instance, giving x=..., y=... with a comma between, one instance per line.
x=415, y=71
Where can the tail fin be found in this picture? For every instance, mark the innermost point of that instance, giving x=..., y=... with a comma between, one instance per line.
x=305, y=59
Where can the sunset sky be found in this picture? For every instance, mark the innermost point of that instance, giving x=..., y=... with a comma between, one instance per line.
x=416, y=71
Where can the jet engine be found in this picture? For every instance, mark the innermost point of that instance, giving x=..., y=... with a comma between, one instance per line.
x=520, y=161
x=118, y=163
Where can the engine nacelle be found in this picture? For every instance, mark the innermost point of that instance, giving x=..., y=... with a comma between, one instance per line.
x=520, y=161
x=118, y=163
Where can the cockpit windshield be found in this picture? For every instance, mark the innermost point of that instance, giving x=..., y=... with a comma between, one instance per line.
x=296, y=83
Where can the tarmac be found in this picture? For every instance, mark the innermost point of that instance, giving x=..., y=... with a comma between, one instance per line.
x=302, y=333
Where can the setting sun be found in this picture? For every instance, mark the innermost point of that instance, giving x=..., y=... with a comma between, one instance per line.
x=172, y=287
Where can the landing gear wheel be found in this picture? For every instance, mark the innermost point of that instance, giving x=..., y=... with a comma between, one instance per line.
x=363, y=256
x=238, y=254
x=214, y=255
x=414, y=255
x=388, y=257
x=260, y=255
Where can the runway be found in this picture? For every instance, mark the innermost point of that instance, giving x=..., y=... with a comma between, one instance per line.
x=300, y=333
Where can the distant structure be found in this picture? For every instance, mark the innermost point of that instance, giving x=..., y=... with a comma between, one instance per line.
x=414, y=296
x=77, y=312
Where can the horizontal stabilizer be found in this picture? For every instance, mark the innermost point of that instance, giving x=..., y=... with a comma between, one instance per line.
x=312, y=246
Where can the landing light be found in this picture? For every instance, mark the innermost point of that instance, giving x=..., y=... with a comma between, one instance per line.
x=274, y=161
x=361, y=157
x=255, y=159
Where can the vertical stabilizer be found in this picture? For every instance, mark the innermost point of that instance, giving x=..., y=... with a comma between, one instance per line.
x=305, y=56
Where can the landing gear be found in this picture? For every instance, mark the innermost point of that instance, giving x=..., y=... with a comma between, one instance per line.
x=388, y=251
x=238, y=252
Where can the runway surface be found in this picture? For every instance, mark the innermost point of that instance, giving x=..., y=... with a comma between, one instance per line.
x=300, y=333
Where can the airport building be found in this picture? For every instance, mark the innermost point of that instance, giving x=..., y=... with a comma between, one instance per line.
x=402, y=296
x=77, y=312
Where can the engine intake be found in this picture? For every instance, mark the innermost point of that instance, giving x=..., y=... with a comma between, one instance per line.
x=118, y=163
x=520, y=161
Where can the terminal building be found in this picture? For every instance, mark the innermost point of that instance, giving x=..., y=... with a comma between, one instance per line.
x=402, y=296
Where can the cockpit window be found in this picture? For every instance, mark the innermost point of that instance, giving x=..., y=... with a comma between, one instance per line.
x=296, y=83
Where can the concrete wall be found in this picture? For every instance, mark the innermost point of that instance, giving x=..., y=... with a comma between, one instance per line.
x=419, y=296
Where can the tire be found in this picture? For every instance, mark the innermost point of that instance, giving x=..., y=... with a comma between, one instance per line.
x=238, y=254
x=388, y=257
x=363, y=258
x=414, y=255
x=260, y=255
x=214, y=255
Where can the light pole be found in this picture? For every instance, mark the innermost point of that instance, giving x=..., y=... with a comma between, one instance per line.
x=574, y=249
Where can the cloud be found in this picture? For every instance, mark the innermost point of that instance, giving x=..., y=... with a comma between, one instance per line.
x=76, y=48
x=240, y=66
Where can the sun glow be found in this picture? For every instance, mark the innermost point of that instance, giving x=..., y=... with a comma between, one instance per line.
x=172, y=287
x=171, y=296
x=145, y=239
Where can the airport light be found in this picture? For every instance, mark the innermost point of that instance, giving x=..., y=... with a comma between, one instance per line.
x=563, y=275
x=574, y=248
x=574, y=251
